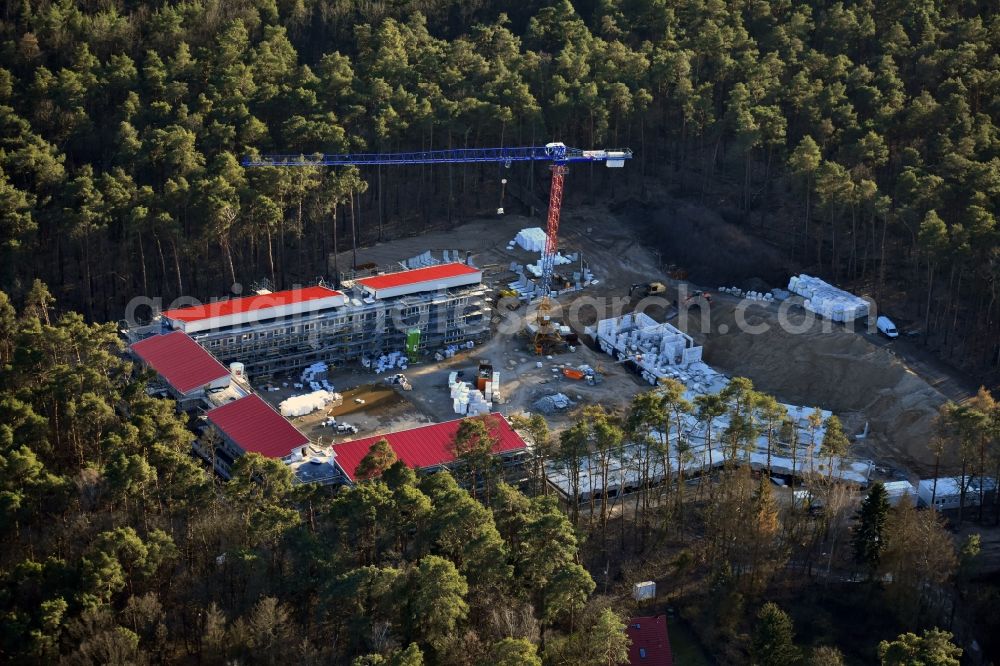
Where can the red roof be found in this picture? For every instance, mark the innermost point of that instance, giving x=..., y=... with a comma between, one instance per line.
x=250, y=303
x=180, y=360
x=418, y=275
x=256, y=427
x=424, y=446
x=650, y=642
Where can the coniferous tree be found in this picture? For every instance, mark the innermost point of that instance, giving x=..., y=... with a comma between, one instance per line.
x=773, y=640
x=870, y=533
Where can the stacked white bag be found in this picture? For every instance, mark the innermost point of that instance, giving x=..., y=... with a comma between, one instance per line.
x=826, y=300
x=300, y=405
x=531, y=239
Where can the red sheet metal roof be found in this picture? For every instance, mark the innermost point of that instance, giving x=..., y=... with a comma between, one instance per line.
x=250, y=303
x=424, y=446
x=180, y=360
x=650, y=642
x=256, y=427
x=418, y=275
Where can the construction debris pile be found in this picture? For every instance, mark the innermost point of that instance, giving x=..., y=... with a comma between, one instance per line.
x=826, y=300
x=550, y=404
x=300, y=405
x=652, y=346
x=468, y=400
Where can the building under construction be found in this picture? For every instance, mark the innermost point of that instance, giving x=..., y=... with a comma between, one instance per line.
x=413, y=311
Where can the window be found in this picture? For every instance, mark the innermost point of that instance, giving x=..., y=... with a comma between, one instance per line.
x=642, y=653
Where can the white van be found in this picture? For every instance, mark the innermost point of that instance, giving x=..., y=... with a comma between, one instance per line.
x=886, y=328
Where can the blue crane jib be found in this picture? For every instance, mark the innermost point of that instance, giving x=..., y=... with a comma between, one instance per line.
x=558, y=153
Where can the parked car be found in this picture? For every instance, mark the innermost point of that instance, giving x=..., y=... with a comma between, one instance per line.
x=345, y=429
x=886, y=327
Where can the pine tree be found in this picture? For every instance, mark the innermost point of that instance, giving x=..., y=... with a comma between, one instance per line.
x=379, y=458
x=932, y=648
x=773, y=641
x=869, y=535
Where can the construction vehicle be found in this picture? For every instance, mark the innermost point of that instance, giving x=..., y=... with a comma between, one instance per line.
x=511, y=299
x=647, y=289
x=697, y=299
x=345, y=428
x=675, y=272
x=485, y=374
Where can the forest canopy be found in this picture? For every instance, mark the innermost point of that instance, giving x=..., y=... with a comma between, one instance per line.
x=861, y=136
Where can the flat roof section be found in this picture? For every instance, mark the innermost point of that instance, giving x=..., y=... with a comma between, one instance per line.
x=418, y=276
x=253, y=303
x=424, y=446
x=181, y=361
x=256, y=427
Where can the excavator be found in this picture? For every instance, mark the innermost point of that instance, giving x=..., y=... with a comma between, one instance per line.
x=648, y=289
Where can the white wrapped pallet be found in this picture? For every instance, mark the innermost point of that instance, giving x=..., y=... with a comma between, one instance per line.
x=300, y=405
x=531, y=239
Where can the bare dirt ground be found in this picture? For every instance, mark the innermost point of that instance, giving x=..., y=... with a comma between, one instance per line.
x=833, y=367
x=383, y=410
x=850, y=373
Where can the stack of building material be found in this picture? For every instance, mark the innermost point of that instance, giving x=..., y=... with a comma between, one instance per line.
x=300, y=405
x=467, y=400
x=389, y=361
x=491, y=391
x=315, y=372
x=759, y=296
x=423, y=260
x=826, y=300
x=531, y=239
x=558, y=260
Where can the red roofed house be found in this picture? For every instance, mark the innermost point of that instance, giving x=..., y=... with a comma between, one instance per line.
x=650, y=642
x=186, y=368
x=428, y=447
x=251, y=425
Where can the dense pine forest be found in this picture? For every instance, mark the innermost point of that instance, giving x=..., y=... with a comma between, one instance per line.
x=860, y=137
x=120, y=547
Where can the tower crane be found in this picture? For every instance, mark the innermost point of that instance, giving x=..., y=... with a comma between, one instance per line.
x=558, y=154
